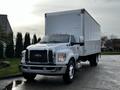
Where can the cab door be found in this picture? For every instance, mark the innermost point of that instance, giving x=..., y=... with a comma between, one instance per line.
x=74, y=47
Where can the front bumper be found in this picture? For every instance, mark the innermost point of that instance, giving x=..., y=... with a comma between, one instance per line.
x=44, y=69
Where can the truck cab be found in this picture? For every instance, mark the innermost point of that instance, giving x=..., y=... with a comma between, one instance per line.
x=53, y=55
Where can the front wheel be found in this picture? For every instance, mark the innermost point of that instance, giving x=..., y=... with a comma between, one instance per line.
x=29, y=76
x=70, y=72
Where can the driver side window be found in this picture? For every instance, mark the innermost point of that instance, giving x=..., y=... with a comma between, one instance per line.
x=73, y=39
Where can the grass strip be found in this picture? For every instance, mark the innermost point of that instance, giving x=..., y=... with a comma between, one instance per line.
x=110, y=53
x=13, y=69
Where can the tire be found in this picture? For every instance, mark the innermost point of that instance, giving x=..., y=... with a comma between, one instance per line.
x=94, y=60
x=70, y=72
x=29, y=76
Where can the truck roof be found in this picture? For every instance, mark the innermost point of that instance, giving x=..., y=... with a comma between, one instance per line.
x=68, y=12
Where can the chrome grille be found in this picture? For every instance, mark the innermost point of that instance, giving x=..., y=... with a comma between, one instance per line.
x=39, y=57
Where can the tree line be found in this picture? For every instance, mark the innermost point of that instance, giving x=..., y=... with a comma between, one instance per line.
x=14, y=50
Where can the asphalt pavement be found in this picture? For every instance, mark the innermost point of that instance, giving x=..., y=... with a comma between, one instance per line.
x=106, y=76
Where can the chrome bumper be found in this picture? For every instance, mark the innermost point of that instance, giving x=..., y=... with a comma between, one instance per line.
x=44, y=69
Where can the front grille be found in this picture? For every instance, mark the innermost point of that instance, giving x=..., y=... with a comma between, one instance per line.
x=39, y=57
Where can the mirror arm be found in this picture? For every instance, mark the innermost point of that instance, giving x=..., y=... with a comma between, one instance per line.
x=81, y=44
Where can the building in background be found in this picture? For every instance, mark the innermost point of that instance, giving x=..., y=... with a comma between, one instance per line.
x=110, y=44
x=6, y=34
x=116, y=44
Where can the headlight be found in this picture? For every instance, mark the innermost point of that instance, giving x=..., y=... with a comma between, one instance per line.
x=61, y=57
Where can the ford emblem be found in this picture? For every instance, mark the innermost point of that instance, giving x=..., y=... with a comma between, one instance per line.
x=38, y=55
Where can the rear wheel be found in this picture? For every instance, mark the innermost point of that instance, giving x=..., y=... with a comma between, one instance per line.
x=94, y=60
x=29, y=76
x=70, y=72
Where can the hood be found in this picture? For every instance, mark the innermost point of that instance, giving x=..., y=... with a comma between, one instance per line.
x=47, y=46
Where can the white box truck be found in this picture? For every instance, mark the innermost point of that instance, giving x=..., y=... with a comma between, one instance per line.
x=70, y=38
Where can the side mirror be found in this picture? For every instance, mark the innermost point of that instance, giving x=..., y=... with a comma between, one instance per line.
x=72, y=43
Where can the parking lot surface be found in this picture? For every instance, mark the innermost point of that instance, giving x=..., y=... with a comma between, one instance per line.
x=106, y=76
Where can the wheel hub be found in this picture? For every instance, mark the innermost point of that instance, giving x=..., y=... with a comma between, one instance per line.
x=71, y=71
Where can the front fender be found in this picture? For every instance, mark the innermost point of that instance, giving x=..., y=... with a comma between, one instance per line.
x=69, y=55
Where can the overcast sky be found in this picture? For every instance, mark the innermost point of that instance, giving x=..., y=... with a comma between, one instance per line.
x=28, y=15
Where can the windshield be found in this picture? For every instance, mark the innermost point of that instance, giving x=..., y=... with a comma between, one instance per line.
x=55, y=39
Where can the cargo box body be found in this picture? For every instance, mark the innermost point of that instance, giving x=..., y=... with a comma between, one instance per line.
x=78, y=23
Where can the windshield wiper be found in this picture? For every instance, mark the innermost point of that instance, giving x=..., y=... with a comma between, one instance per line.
x=54, y=41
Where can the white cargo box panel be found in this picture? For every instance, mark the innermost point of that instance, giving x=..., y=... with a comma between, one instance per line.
x=78, y=23
x=92, y=35
x=67, y=22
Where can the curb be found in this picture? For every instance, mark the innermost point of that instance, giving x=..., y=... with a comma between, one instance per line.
x=11, y=76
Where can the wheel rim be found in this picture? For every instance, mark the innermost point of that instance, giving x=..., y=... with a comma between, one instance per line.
x=71, y=71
